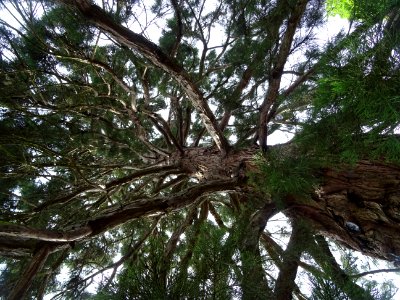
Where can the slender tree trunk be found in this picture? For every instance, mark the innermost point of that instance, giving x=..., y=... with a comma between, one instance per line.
x=323, y=256
x=285, y=283
x=254, y=283
x=25, y=281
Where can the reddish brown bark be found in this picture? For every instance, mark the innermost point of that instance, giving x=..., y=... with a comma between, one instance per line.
x=367, y=196
x=207, y=164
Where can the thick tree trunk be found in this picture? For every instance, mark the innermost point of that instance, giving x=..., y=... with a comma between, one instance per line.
x=358, y=206
x=207, y=163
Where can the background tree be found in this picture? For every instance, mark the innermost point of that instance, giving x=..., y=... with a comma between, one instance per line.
x=143, y=164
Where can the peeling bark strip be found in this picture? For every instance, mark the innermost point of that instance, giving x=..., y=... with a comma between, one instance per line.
x=152, y=52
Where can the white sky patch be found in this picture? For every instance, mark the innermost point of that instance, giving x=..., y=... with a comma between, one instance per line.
x=324, y=34
x=278, y=227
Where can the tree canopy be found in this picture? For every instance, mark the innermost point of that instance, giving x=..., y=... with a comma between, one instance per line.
x=136, y=154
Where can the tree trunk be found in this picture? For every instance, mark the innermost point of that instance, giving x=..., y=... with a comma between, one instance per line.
x=322, y=254
x=254, y=283
x=29, y=274
x=358, y=206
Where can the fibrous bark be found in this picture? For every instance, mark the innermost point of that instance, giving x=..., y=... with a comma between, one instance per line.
x=358, y=206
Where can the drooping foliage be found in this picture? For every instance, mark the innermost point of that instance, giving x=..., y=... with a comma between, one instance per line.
x=137, y=154
x=347, y=93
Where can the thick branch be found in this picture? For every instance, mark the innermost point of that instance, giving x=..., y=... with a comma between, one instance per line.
x=256, y=226
x=118, y=215
x=277, y=71
x=24, y=232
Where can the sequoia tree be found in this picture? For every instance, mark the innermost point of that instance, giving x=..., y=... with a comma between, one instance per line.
x=136, y=148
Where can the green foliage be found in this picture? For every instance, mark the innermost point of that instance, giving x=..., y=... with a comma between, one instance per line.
x=365, y=10
x=323, y=289
x=343, y=8
x=204, y=277
x=281, y=175
x=356, y=109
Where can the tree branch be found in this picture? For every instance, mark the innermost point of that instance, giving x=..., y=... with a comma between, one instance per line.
x=396, y=270
x=277, y=71
x=323, y=256
x=153, y=53
x=25, y=232
x=117, y=215
x=179, y=25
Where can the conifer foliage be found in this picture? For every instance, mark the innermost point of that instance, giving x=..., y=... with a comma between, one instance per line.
x=137, y=157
